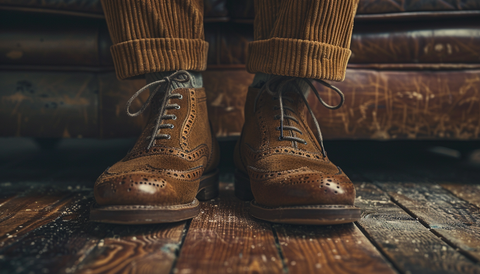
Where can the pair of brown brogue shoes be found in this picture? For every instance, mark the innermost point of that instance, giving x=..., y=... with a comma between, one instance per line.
x=281, y=164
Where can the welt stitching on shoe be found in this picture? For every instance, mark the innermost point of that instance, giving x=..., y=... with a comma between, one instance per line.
x=149, y=207
x=304, y=206
x=190, y=120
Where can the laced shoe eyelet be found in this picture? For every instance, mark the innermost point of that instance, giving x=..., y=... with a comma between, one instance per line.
x=172, y=126
x=177, y=107
x=169, y=137
x=181, y=97
x=174, y=117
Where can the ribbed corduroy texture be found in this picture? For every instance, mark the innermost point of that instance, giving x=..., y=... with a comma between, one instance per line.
x=302, y=38
x=156, y=35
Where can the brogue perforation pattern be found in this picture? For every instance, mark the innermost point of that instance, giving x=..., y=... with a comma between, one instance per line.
x=193, y=155
x=132, y=183
x=189, y=123
x=262, y=124
x=257, y=155
x=179, y=175
x=258, y=175
x=291, y=177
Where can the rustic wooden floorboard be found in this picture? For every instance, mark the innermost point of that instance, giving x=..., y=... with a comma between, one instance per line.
x=329, y=249
x=225, y=239
x=469, y=193
x=6, y=196
x=454, y=219
x=409, y=245
x=72, y=244
x=55, y=236
x=135, y=249
x=31, y=210
x=452, y=174
x=56, y=247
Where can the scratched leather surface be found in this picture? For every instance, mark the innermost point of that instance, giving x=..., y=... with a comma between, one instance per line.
x=404, y=105
x=88, y=6
x=379, y=105
x=387, y=6
x=213, y=8
x=444, y=41
x=245, y=8
x=76, y=44
x=47, y=104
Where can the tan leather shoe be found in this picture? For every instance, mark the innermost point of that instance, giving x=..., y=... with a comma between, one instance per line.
x=283, y=163
x=173, y=162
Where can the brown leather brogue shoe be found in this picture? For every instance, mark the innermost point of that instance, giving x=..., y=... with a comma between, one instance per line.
x=171, y=165
x=283, y=163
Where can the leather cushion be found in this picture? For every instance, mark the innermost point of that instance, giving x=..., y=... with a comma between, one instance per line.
x=245, y=9
x=387, y=6
x=213, y=8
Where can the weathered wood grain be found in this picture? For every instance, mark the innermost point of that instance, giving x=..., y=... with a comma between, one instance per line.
x=454, y=219
x=6, y=196
x=135, y=249
x=469, y=193
x=409, y=245
x=329, y=249
x=451, y=174
x=415, y=190
x=225, y=239
x=31, y=210
x=57, y=247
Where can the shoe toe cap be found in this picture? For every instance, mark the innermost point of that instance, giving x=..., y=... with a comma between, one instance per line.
x=143, y=189
x=302, y=187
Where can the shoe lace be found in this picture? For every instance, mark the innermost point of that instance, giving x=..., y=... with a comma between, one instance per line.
x=280, y=83
x=164, y=85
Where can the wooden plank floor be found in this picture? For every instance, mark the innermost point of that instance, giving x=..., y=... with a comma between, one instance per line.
x=420, y=214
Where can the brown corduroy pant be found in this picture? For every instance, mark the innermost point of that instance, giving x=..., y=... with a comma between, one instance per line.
x=299, y=38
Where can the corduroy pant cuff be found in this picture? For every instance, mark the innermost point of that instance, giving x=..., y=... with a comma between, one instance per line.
x=298, y=58
x=141, y=56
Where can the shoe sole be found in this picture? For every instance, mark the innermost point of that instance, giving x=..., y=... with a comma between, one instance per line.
x=299, y=215
x=155, y=214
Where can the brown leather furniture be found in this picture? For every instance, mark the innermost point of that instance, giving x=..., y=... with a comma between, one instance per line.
x=414, y=72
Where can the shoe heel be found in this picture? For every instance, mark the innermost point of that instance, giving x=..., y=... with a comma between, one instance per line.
x=209, y=187
x=242, y=187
